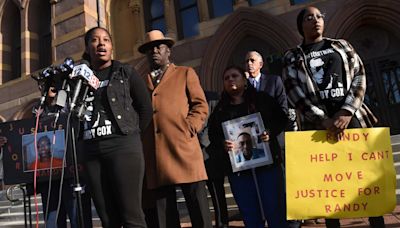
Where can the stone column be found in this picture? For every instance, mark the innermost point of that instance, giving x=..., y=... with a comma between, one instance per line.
x=53, y=29
x=25, y=43
x=204, y=14
x=170, y=19
x=136, y=7
x=240, y=3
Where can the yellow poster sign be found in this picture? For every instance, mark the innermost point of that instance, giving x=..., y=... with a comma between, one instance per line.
x=345, y=176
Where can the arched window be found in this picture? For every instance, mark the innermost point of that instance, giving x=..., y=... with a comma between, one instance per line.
x=11, y=43
x=40, y=33
x=154, y=14
x=187, y=17
x=220, y=8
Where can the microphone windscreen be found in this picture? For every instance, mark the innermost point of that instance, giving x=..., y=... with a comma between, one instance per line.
x=61, y=98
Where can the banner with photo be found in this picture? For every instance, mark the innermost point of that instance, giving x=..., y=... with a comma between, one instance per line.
x=245, y=132
x=345, y=176
x=19, y=153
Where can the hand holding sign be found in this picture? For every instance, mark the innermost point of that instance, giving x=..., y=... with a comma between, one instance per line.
x=342, y=176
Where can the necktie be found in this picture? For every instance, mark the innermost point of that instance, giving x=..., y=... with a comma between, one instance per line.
x=255, y=84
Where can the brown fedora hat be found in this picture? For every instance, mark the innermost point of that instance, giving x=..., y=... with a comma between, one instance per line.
x=155, y=37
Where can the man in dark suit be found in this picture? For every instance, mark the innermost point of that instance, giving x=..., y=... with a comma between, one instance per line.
x=270, y=84
x=273, y=86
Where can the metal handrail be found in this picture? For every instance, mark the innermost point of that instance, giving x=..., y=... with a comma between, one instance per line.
x=26, y=201
x=10, y=193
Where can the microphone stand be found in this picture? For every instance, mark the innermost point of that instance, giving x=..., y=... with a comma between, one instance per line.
x=78, y=190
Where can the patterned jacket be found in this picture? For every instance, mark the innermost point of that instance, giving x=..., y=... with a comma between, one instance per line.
x=303, y=93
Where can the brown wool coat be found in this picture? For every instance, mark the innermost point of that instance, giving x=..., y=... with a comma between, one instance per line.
x=171, y=148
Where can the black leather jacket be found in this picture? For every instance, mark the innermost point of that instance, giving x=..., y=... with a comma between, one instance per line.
x=128, y=98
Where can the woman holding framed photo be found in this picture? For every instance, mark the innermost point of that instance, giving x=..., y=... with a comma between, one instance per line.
x=259, y=192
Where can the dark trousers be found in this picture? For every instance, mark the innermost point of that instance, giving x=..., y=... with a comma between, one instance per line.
x=217, y=192
x=196, y=202
x=116, y=179
x=255, y=196
x=374, y=222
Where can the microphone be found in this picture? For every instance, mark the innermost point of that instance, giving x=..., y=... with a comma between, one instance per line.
x=84, y=74
x=83, y=71
x=64, y=69
x=43, y=79
x=66, y=66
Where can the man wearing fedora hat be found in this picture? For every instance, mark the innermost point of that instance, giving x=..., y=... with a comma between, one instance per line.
x=172, y=151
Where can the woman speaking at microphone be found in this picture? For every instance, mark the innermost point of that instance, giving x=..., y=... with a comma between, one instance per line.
x=116, y=114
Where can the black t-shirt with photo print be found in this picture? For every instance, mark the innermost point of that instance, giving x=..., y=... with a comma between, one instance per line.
x=99, y=122
x=327, y=70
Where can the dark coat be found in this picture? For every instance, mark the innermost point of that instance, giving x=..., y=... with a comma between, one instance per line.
x=274, y=119
x=273, y=86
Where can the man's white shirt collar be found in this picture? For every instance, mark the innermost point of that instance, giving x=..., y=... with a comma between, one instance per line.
x=257, y=78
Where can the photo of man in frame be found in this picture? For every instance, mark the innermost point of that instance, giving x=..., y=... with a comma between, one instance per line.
x=250, y=151
x=246, y=151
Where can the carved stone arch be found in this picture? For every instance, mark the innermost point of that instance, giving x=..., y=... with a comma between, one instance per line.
x=2, y=6
x=21, y=3
x=142, y=66
x=242, y=23
x=384, y=13
x=26, y=111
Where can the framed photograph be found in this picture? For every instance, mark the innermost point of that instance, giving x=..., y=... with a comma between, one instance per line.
x=251, y=152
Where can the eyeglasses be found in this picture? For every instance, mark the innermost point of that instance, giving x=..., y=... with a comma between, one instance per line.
x=317, y=16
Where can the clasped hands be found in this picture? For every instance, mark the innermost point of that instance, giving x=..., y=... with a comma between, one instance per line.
x=338, y=123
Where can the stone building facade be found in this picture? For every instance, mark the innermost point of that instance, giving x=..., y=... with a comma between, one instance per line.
x=210, y=35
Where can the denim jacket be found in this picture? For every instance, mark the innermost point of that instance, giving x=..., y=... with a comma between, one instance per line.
x=128, y=98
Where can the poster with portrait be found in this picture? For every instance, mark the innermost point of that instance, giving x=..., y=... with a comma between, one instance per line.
x=250, y=151
x=19, y=152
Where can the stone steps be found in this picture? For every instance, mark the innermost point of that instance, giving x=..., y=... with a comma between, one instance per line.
x=11, y=214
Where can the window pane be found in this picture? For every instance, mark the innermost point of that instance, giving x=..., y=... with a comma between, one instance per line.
x=395, y=86
x=160, y=25
x=255, y=2
x=157, y=8
x=294, y=2
x=186, y=3
x=222, y=7
x=371, y=96
x=190, y=22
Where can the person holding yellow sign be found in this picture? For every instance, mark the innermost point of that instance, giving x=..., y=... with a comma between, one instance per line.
x=325, y=81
